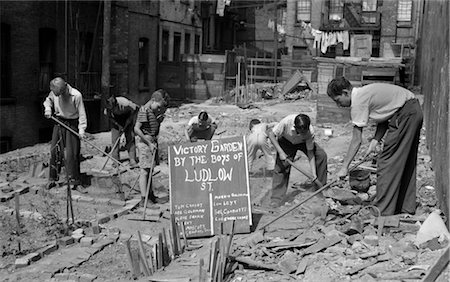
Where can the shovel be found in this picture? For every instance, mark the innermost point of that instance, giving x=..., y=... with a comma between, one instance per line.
x=317, y=182
x=149, y=184
x=90, y=143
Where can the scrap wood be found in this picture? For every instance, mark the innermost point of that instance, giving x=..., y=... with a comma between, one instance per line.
x=287, y=245
x=176, y=279
x=415, y=274
x=256, y=264
x=323, y=244
x=365, y=265
x=438, y=267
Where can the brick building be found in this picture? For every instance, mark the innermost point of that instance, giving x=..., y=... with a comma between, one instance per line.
x=44, y=39
x=38, y=42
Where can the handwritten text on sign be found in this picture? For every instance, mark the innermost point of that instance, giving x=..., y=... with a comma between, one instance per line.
x=209, y=185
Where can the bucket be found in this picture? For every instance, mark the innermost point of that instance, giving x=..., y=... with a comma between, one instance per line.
x=360, y=180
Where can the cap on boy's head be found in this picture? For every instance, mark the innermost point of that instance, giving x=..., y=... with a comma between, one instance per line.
x=254, y=122
x=336, y=86
x=203, y=116
x=302, y=122
x=162, y=96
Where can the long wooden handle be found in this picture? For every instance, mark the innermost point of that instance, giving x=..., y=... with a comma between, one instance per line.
x=90, y=143
x=322, y=187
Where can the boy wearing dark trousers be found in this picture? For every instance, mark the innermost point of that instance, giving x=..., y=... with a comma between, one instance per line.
x=293, y=133
x=399, y=118
x=66, y=103
x=123, y=113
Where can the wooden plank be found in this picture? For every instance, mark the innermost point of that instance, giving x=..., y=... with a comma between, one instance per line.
x=437, y=267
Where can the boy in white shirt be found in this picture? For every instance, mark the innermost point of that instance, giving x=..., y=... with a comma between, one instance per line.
x=257, y=140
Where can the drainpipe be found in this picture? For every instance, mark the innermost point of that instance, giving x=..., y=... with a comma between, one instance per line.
x=275, y=41
x=105, y=80
x=66, y=43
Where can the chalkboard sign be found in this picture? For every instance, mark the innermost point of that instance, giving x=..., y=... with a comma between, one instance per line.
x=209, y=186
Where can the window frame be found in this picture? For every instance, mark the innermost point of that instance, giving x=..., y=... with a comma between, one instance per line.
x=335, y=7
x=404, y=11
x=304, y=9
x=143, y=63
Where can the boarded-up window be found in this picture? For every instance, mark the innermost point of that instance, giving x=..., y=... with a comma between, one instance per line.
x=404, y=10
x=336, y=10
x=165, y=46
x=187, y=43
x=143, y=63
x=176, y=46
x=5, y=60
x=47, y=57
x=304, y=10
x=197, y=44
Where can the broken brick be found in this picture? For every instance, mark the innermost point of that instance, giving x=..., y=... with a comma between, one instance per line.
x=33, y=257
x=96, y=229
x=323, y=244
x=87, y=277
x=77, y=237
x=21, y=262
x=48, y=249
x=371, y=240
x=65, y=241
x=86, y=241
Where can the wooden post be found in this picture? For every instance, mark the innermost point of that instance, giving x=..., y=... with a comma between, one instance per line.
x=143, y=257
x=105, y=80
x=275, y=42
x=17, y=211
x=174, y=235
x=130, y=260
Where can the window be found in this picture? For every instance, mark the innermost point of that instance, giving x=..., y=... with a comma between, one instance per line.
x=5, y=61
x=176, y=46
x=336, y=10
x=187, y=43
x=404, y=10
x=165, y=46
x=369, y=12
x=304, y=10
x=47, y=57
x=369, y=5
x=197, y=44
x=143, y=63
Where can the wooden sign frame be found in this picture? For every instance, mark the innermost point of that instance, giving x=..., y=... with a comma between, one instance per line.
x=209, y=186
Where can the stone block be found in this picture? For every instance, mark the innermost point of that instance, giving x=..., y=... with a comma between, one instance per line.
x=86, y=199
x=78, y=231
x=122, y=212
x=102, y=201
x=353, y=238
x=65, y=241
x=76, y=198
x=61, y=276
x=21, y=262
x=103, y=218
x=86, y=241
x=87, y=277
x=371, y=240
x=48, y=249
x=32, y=257
x=96, y=229
x=77, y=237
x=116, y=202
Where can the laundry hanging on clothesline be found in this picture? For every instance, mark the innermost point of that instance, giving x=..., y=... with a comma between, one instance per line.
x=323, y=40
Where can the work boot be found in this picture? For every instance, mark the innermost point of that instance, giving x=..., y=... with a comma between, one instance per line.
x=50, y=185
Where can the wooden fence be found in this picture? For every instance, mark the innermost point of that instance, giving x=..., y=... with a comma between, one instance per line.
x=434, y=78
